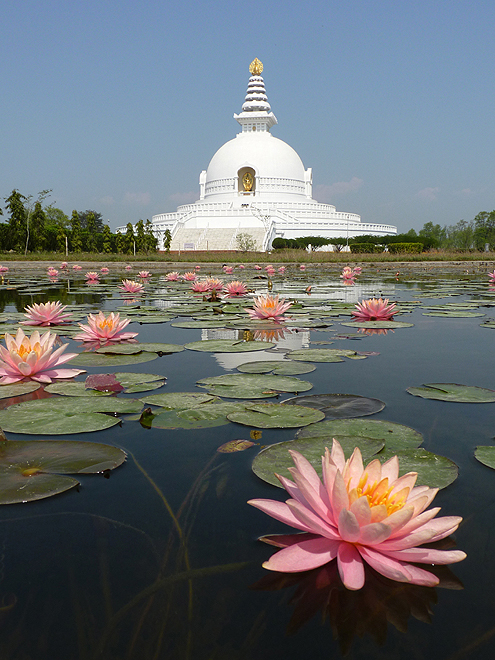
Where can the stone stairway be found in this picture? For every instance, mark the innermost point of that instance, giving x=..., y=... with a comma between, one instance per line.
x=214, y=238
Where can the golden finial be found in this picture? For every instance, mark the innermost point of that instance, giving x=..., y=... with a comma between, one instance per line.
x=256, y=67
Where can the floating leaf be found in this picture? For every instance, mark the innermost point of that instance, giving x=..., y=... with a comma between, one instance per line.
x=179, y=400
x=485, y=455
x=277, y=367
x=127, y=379
x=453, y=392
x=338, y=406
x=320, y=354
x=207, y=415
x=146, y=418
x=378, y=325
x=276, y=458
x=78, y=388
x=35, y=469
x=120, y=349
x=252, y=386
x=433, y=470
x=275, y=416
x=18, y=389
x=103, y=383
x=396, y=436
x=228, y=346
x=109, y=361
x=235, y=445
x=254, y=434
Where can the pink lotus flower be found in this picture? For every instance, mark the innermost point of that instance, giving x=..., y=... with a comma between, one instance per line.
x=101, y=327
x=104, y=270
x=4, y=269
x=189, y=277
x=281, y=270
x=228, y=270
x=33, y=357
x=128, y=267
x=144, y=274
x=357, y=270
x=172, y=277
x=269, y=307
x=270, y=270
x=52, y=272
x=130, y=286
x=257, y=267
x=242, y=266
x=359, y=514
x=50, y=313
x=374, y=309
x=76, y=267
x=347, y=273
x=92, y=276
x=492, y=277
x=64, y=265
x=214, y=284
x=235, y=288
x=302, y=267
x=201, y=286
x=197, y=267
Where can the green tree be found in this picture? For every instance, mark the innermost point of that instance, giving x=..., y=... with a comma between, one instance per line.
x=107, y=244
x=17, y=221
x=151, y=241
x=140, y=237
x=56, y=217
x=89, y=232
x=36, y=229
x=129, y=238
x=167, y=240
x=484, y=230
x=120, y=242
x=76, y=240
x=460, y=236
x=246, y=243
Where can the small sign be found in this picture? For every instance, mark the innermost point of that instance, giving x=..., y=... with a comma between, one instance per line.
x=188, y=246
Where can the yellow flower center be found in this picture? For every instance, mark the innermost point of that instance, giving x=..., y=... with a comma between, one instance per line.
x=379, y=494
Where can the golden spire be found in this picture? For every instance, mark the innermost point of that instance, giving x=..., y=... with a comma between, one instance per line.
x=256, y=67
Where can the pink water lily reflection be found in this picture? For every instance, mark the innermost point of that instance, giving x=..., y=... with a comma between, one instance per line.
x=359, y=515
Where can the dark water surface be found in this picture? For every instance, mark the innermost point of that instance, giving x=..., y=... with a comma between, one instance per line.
x=108, y=572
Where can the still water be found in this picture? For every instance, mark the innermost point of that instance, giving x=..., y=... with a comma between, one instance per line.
x=161, y=560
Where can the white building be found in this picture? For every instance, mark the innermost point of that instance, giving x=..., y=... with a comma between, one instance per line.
x=256, y=184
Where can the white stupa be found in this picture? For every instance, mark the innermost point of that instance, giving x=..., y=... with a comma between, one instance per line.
x=256, y=185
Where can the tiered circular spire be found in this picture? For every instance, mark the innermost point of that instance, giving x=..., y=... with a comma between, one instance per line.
x=256, y=98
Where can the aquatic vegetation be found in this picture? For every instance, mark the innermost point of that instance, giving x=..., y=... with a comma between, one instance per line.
x=50, y=313
x=281, y=270
x=269, y=307
x=214, y=284
x=270, y=270
x=235, y=288
x=172, y=277
x=51, y=272
x=128, y=267
x=92, y=276
x=492, y=277
x=228, y=270
x=64, y=265
x=201, y=286
x=359, y=514
x=374, y=309
x=4, y=269
x=104, y=270
x=76, y=267
x=144, y=274
x=101, y=327
x=33, y=357
x=189, y=277
x=130, y=286
x=302, y=267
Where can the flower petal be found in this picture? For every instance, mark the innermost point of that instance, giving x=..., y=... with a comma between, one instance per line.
x=351, y=568
x=303, y=556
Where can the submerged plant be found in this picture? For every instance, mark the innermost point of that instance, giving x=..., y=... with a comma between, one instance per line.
x=50, y=313
x=358, y=514
x=374, y=309
x=33, y=357
x=269, y=307
x=101, y=327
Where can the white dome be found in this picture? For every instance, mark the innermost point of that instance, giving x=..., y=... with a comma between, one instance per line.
x=266, y=155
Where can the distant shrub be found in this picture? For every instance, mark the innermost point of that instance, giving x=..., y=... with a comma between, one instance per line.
x=368, y=248
x=405, y=248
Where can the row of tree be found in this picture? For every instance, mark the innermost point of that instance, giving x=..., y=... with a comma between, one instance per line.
x=32, y=226
x=473, y=235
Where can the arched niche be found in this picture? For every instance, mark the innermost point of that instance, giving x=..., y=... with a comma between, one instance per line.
x=246, y=181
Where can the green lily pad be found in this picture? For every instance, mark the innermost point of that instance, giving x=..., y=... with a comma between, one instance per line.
x=433, y=470
x=252, y=386
x=109, y=361
x=207, y=415
x=277, y=367
x=338, y=406
x=276, y=416
x=320, y=354
x=73, y=388
x=179, y=400
x=276, y=458
x=127, y=379
x=488, y=324
x=18, y=389
x=160, y=347
x=32, y=469
x=453, y=314
x=379, y=325
x=120, y=349
x=228, y=346
x=453, y=392
x=396, y=436
x=210, y=323
x=485, y=455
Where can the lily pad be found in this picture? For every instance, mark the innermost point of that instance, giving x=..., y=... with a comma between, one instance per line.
x=453, y=392
x=378, y=325
x=127, y=379
x=179, y=400
x=338, y=406
x=252, y=386
x=276, y=416
x=320, y=354
x=109, y=361
x=204, y=416
x=486, y=455
x=396, y=436
x=235, y=445
x=228, y=346
x=433, y=470
x=277, y=367
x=74, y=388
x=18, y=389
x=276, y=458
x=35, y=469
x=120, y=349
x=161, y=348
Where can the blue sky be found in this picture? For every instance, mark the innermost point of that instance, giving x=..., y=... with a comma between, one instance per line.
x=118, y=106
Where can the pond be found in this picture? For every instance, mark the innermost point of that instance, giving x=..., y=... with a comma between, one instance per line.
x=159, y=557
